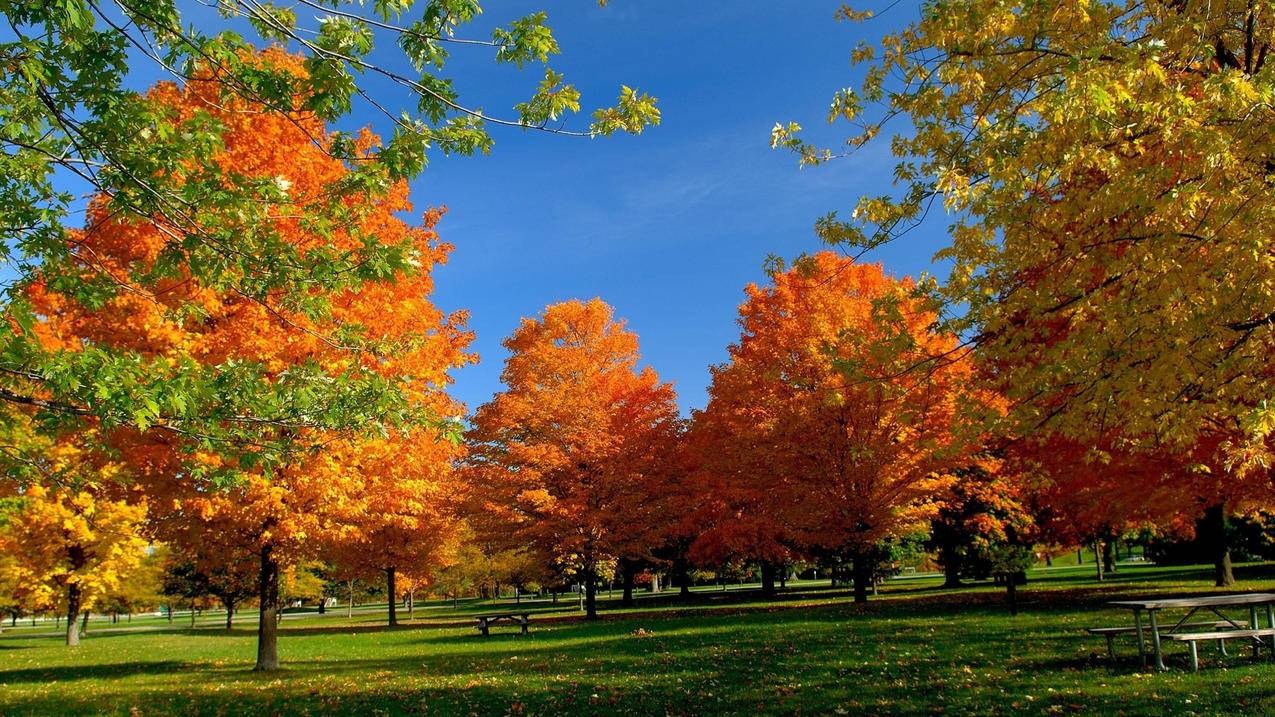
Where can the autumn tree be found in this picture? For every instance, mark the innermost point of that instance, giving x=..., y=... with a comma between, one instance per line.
x=75, y=125
x=830, y=427
x=139, y=589
x=1090, y=493
x=377, y=332
x=1105, y=165
x=74, y=544
x=574, y=440
x=984, y=516
x=404, y=525
x=230, y=578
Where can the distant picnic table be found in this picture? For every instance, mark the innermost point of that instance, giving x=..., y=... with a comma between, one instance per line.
x=519, y=618
x=1183, y=631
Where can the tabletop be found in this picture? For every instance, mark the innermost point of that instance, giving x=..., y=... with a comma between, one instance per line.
x=1208, y=601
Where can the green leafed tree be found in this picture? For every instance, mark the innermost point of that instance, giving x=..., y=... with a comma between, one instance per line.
x=72, y=126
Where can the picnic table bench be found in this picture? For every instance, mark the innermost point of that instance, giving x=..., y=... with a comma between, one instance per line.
x=1232, y=629
x=1112, y=632
x=518, y=618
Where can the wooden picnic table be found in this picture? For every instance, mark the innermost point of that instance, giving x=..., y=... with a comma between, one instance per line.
x=485, y=622
x=1192, y=605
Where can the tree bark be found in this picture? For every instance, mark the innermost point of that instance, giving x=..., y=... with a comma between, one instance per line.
x=951, y=570
x=392, y=592
x=683, y=578
x=1108, y=555
x=862, y=577
x=230, y=613
x=72, y=612
x=590, y=593
x=349, y=611
x=84, y=623
x=1215, y=524
x=268, y=612
x=768, y=579
x=1097, y=554
x=628, y=573
x=192, y=613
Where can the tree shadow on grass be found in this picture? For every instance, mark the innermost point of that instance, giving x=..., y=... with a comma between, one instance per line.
x=63, y=673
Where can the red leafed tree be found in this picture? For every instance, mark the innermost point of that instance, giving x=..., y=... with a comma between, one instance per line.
x=567, y=455
x=830, y=427
x=1088, y=493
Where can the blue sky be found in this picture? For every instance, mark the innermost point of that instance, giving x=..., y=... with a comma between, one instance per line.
x=670, y=226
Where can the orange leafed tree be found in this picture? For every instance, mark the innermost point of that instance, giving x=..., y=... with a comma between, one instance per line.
x=567, y=454
x=381, y=325
x=831, y=427
x=404, y=526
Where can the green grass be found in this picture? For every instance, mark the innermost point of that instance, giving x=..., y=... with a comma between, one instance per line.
x=914, y=650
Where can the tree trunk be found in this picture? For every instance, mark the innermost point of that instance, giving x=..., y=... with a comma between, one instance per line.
x=1098, y=566
x=951, y=570
x=683, y=578
x=192, y=614
x=84, y=623
x=628, y=573
x=590, y=593
x=862, y=577
x=349, y=611
x=1080, y=557
x=783, y=577
x=72, y=612
x=655, y=582
x=768, y=579
x=170, y=613
x=392, y=592
x=411, y=603
x=268, y=612
x=1215, y=525
x=230, y=613
x=1108, y=555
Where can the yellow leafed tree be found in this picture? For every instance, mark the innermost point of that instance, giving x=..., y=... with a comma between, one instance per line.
x=71, y=545
x=1108, y=171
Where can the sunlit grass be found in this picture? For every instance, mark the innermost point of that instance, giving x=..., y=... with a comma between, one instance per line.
x=914, y=650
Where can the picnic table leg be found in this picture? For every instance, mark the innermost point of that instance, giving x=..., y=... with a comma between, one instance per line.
x=1252, y=623
x=524, y=624
x=1142, y=648
x=1155, y=640
x=482, y=625
x=1270, y=622
x=1195, y=657
x=1111, y=649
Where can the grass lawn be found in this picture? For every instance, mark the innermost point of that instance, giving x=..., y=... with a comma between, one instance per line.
x=913, y=650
